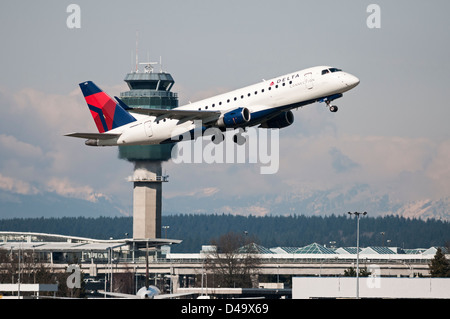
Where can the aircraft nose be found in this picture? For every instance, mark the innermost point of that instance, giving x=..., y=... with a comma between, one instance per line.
x=351, y=81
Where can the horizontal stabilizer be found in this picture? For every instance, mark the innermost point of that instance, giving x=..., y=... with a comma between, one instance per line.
x=98, y=136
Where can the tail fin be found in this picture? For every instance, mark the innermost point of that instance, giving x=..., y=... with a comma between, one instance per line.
x=107, y=113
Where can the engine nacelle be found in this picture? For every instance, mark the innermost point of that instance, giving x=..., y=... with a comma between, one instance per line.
x=235, y=118
x=281, y=120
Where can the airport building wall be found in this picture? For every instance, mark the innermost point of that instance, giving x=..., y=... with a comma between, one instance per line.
x=370, y=287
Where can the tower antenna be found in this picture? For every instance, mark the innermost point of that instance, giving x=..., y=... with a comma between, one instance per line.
x=131, y=60
x=137, y=33
x=148, y=65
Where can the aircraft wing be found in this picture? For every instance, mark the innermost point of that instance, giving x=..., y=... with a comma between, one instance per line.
x=184, y=115
x=98, y=136
x=119, y=295
x=171, y=296
x=177, y=113
x=158, y=296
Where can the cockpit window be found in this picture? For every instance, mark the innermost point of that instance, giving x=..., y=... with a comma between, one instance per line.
x=325, y=71
x=335, y=70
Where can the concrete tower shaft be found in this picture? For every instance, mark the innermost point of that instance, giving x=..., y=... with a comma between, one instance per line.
x=147, y=199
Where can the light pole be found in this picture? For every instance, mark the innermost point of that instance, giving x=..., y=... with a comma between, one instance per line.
x=165, y=230
x=357, y=249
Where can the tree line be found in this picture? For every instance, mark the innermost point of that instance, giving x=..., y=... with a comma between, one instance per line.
x=269, y=231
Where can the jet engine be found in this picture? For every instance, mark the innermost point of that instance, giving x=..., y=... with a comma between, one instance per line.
x=235, y=118
x=148, y=293
x=281, y=120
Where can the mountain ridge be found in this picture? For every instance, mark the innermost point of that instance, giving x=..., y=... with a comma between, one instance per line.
x=308, y=203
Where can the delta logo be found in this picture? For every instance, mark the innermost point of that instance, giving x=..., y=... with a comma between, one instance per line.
x=288, y=78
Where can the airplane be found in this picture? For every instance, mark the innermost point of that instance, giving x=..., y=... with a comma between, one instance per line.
x=268, y=104
x=151, y=292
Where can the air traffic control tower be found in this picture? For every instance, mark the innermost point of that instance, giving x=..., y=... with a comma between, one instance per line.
x=148, y=89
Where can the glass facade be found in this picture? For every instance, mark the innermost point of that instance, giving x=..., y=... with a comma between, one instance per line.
x=148, y=90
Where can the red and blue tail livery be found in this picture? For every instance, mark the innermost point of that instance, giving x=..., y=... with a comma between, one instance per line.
x=107, y=113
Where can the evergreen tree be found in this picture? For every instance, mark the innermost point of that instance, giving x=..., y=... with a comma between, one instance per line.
x=351, y=272
x=439, y=265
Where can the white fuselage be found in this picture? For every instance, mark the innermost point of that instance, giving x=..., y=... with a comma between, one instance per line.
x=289, y=91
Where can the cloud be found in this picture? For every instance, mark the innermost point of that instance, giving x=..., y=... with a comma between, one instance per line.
x=65, y=188
x=405, y=168
x=313, y=153
x=11, y=145
x=197, y=193
x=35, y=154
x=16, y=186
x=61, y=187
x=438, y=169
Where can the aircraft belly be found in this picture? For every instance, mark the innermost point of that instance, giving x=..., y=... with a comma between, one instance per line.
x=171, y=129
x=134, y=135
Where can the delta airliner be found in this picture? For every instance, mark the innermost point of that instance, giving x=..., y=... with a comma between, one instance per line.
x=267, y=104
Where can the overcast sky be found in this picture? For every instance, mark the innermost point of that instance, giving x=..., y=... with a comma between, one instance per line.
x=391, y=132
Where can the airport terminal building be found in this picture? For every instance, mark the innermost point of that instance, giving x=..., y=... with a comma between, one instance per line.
x=104, y=259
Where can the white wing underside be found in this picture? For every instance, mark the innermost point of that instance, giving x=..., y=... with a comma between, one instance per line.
x=182, y=115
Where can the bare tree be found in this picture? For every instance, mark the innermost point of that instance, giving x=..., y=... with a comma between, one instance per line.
x=23, y=266
x=235, y=261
